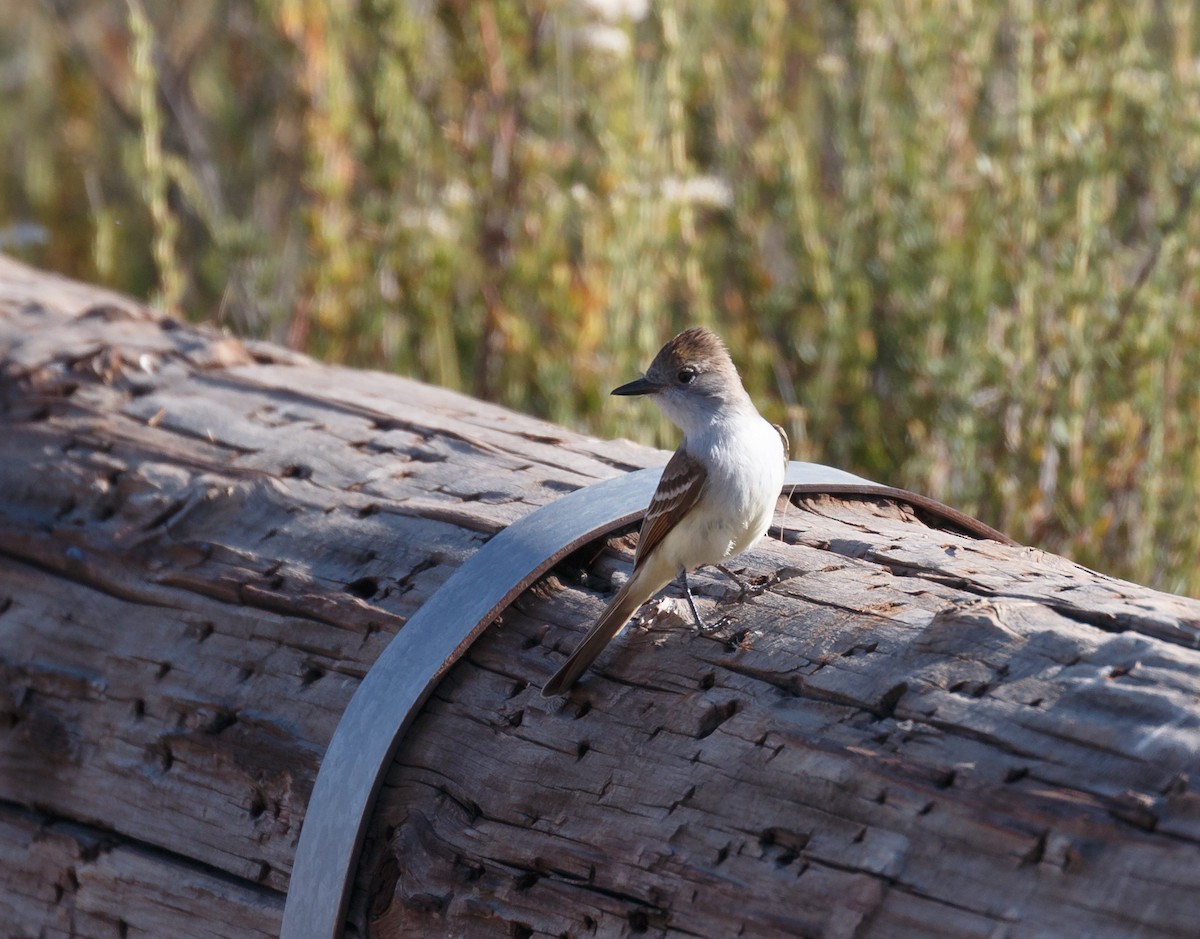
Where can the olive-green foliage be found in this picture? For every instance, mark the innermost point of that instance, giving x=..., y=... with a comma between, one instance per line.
x=953, y=244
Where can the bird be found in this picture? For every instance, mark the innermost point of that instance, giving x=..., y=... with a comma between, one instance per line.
x=717, y=494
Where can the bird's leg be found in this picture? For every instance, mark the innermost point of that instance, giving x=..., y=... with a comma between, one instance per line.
x=745, y=589
x=687, y=590
x=701, y=628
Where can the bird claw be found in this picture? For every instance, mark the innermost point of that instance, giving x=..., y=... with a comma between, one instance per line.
x=746, y=589
x=709, y=632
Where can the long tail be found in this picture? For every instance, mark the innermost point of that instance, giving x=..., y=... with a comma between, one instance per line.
x=632, y=595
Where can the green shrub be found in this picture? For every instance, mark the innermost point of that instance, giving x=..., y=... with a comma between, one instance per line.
x=954, y=245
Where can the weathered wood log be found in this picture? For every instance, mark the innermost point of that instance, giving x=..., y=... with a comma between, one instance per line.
x=205, y=543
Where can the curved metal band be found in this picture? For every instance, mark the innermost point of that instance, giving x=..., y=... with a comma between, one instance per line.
x=402, y=678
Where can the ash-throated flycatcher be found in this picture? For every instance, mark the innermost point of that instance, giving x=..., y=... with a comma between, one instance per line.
x=717, y=494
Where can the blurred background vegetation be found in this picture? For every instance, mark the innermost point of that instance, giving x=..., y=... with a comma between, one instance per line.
x=953, y=243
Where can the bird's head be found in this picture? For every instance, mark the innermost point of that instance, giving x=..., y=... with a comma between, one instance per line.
x=692, y=379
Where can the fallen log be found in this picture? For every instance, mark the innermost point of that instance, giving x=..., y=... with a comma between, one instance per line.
x=206, y=543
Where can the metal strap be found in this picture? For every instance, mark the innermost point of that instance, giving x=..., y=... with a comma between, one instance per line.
x=402, y=678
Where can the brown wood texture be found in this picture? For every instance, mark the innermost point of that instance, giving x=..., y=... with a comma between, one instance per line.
x=205, y=543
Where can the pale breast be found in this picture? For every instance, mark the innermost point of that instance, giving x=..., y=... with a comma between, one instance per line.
x=745, y=476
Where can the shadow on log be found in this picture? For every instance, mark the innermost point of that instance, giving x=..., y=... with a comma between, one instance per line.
x=205, y=543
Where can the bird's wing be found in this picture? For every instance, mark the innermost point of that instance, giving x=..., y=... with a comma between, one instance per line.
x=787, y=444
x=678, y=490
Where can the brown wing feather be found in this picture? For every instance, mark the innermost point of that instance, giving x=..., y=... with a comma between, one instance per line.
x=787, y=444
x=678, y=490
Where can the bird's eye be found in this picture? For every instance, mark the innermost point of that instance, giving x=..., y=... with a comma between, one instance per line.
x=686, y=374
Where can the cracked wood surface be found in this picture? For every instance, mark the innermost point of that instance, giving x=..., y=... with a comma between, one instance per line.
x=205, y=543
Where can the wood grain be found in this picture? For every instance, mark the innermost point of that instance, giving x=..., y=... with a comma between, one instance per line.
x=205, y=543
x=853, y=754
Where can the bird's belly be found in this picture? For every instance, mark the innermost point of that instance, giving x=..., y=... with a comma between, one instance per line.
x=742, y=486
x=710, y=537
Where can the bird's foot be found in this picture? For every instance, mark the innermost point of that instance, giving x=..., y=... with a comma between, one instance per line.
x=715, y=630
x=746, y=588
x=697, y=620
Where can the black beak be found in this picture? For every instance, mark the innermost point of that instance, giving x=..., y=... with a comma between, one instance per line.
x=639, y=386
